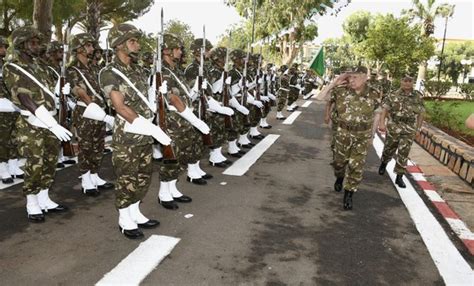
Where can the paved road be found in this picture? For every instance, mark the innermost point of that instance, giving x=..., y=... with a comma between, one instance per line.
x=279, y=224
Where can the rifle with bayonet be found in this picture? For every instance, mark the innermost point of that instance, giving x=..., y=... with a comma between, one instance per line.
x=169, y=156
x=68, y=148
x=246, y=119
x=206, y=138
x=257, y=87
x=228, y=123
x=265, y=93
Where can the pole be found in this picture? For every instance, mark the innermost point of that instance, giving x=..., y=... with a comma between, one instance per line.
x=253, y=24
x=442, y=48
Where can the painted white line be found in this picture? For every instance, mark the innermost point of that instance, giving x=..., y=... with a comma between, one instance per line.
x=242, y=165
x=307, y=103
x=290, y=119
x=460, y=228
x=138, y=264
x=450, y=263
x=418, y=176
x=433, y=196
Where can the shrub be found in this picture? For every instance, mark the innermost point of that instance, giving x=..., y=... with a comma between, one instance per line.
x=467, y=90
x=437, y=88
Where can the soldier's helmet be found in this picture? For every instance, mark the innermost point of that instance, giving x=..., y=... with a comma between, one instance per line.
x=54, y=46
x=237, y=54
x=196, y=45
x=218, y=53
x=4, y=42
x=283, y=68
x=171, y=41
x=294, y=66
x=23, y=34
x=80, y=40
x=122, y=32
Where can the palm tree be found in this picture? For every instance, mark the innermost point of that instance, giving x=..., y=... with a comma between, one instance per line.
x=426, y=13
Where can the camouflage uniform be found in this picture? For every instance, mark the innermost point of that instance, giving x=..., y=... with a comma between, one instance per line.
x=90, y=133
x=38, y=145
x=255, y=112
x=236, y=76
x=132, y=156
x=283, y=90
x=401, y=128
x=355, y=117
x=294, y=90
x=335, y=98
x=7, y=119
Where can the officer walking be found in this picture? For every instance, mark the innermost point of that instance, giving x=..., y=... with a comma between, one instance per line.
x=404, y=108
x=283, y=91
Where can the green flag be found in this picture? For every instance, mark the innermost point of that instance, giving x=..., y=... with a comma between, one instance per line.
x=317, y=64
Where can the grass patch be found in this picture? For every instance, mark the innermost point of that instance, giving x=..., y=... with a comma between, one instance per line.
x=450, y=114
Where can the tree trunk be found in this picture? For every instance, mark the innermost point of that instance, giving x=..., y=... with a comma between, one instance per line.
x=59, y=32
x=93, y=18
x=43, y=17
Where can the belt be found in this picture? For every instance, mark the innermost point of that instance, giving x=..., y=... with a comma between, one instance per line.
x=28, y=113
x=354, y=127
x=404, y=119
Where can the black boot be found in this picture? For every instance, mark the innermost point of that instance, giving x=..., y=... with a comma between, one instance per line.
x=382, y=168
x=338, y=184
x=399, y=181
x=132, y=233
x=347, y=203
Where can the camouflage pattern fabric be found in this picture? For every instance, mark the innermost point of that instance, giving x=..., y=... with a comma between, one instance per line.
x=133, y=168
x=7, y=136
x=236, y=76
x=283, y=91
x=294, y=92
x=217, y=121
x=401, y=128
x=355, y=113
x=90, y=133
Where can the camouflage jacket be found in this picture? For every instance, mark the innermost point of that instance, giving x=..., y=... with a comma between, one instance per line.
x=75, y=79
x=18, y=83
x=191, y=73
x=3, y=88
x=110, y=81
x=284, y=83
x=293, y=82
x=355, y=111
x=215, y=74
x=404, y=108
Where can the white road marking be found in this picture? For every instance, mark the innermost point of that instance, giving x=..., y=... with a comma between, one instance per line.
x=450, y=263
x=138, y=264
x=290, y=119
x=434, y=196
x=418, y=177
x=306, y=104
x=242, y=165
x=460, y=228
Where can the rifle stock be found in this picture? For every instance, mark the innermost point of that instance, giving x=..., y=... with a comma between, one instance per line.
x=206, y=138
x=169, y=156
x=228, y=123
x=68, y=149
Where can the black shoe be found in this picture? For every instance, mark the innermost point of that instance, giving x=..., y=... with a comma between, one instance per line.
x=7, y=181
x=281, y=118
x=245, y=146
x=198, y=181
x=131, y=233
x=183, y=199
x=266, y=127
x=207, y=176
x=36, y=218
x=236, y=155
x=22, y=176
x=347, y=200
x=109, y=132
x=91, y=192
x=171, y=205
x=107, y=151
x=151, y=223
x=257, y=137
x=219, y=165
x=60, y=165
x=58, y=209
x=69, y=162
x=227, y=162
x=338, y=184
x=106, y=186
x=158, y=160
x=242, y=152
x=399, y=181
x=382, y=168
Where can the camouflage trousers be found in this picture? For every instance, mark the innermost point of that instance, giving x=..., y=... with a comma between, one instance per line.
x=133, y=168
x=41, y=149
x=292, y=96
x=233, y=133
x=90, y=137
x=333, y=139
x=187, y=146
x=350, y=152
x=239, y=119
x=282, y=97
x=218, y=132
x=400, y=143
x=255, y=115
x=7, y=136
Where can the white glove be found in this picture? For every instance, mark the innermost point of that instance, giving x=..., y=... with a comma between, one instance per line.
x=251, y=85
x=265, y=98
x=269, y=78
x=144, y=127
x=226, y=111
x=60, y=132
x=214, y=106
x=66, y=89
x=72, y=105
x=196, y=122
x=260, y=80
x=204, y=84
x=250, y=98
x=228, y=80
x=271, y=96
x=193, y=94
x=110, y=121
x=235, y=104
x=164, y=87
x=257, y=103
x=217, y=86
x=152, y=97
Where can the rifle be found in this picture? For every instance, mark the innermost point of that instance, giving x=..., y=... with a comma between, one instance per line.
x=68, y=149
x=272, y=87
x=265, y=93
x=229, y=125
x=169, y=156
x=246, y=120
x=257, y=87
x=206, y=138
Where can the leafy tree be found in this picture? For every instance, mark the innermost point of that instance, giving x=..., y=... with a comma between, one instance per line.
x=393, y=42
x=357, y=25
x=14, y=14
x=454, y=53
x=339, y=54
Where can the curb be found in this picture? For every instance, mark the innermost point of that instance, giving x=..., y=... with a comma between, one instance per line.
x=449, y=215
